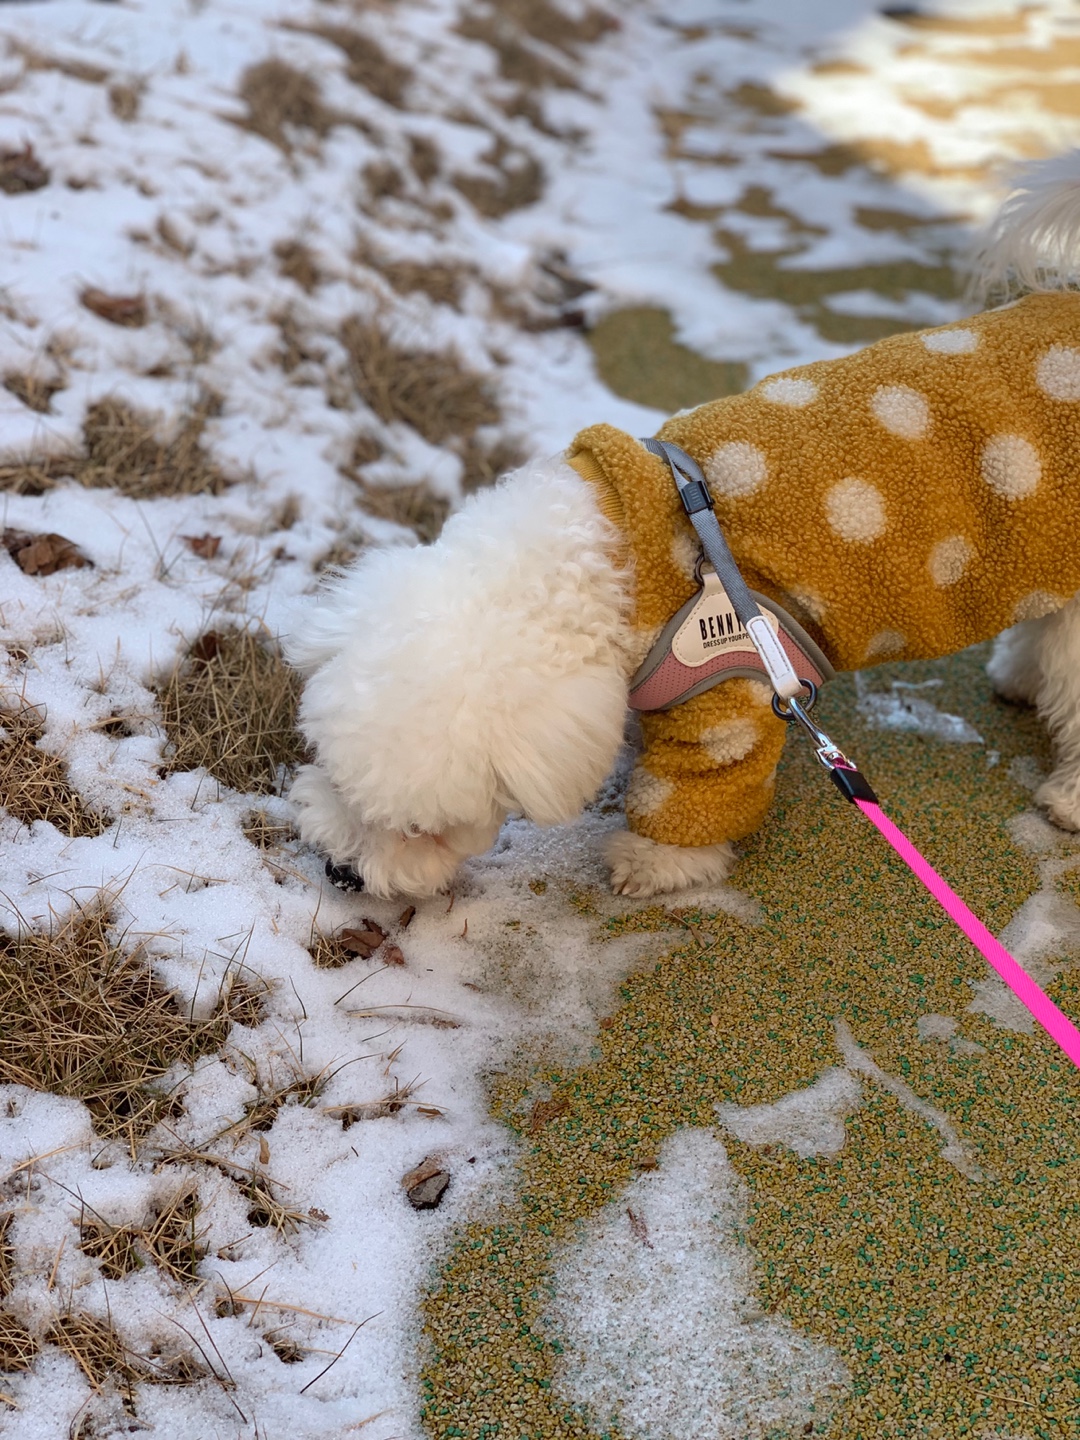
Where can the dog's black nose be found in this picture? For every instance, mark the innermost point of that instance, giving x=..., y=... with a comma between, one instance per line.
x=344, y=877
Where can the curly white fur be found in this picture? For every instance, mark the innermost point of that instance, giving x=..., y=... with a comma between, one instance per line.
x=452, y=684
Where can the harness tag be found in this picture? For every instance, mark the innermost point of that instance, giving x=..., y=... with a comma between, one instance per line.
x=712, y=628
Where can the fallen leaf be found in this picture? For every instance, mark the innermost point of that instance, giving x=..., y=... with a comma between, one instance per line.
x=317, y=1214
x=205, y=545
x=364, y=940
x=393, y=955
x=545, y=1111
x=21, y=170
x=126, y=310
x=264, y=1150
x=638, y=1229
x=43, y=554
x=405, y=918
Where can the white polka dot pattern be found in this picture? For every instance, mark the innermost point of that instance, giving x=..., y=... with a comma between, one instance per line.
x=903, y=411
x=789, y=390
x=856, y=511
x=885, y=642
x=1058, y=373
x=1010, y=465
x=736, y=468
x=730, y=742
x=1036, y=605
x=949, y=559
x=951, y=342
x=647, y=793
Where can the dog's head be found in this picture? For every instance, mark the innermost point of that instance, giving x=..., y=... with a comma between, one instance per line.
x=452, y=684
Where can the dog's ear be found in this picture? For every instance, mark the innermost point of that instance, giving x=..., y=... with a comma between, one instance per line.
x=553, y=753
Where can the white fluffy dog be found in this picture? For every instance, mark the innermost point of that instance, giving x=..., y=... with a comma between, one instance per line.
x=452, y=684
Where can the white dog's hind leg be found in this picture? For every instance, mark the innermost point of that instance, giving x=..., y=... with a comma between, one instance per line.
x=1058, y=702
x=1014, y=667
x=641, y=867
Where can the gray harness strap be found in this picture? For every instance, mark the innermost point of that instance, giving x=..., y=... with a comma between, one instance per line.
x=663, y=679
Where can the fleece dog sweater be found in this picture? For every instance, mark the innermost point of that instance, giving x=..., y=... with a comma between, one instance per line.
x=901, y=503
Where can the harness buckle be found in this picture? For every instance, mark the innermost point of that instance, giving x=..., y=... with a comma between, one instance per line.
x=695, y=497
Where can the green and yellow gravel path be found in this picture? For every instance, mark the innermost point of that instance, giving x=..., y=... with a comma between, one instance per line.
x=952, y=1301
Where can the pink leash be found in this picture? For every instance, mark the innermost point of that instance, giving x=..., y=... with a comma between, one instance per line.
x=853, y=785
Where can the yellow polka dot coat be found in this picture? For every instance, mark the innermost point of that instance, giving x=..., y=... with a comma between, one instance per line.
x=901, y=503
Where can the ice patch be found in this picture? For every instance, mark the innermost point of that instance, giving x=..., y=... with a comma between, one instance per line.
x=656, y=1310
x=1040, y=937
x=899, y=708
x=808, y=1121
x=955, y=1149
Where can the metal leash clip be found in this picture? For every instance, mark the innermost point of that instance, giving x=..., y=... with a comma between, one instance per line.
x=844, y=773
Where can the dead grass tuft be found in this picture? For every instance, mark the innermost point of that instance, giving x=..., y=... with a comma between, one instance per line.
x=383, y=180
x=33, y=390
x=369, y=66
x=434, y=393
x=231, y=705
x=297, y=344
x=425, y=158
x=34, y=784
x=267, y=1210
x=85, y=1017
x=280, y=98
x=101, y=1355
x=125, y=100
x=131, y=312
x=122, y=450
x=439, y=281
x=521, y=61
x=414, y=506
x=296, y=261
x=17, y=1346
x=267, y=833
x=170, y=1239
x=519, y=181
x=22, y=171
x=483, y=464
x=7, y=1254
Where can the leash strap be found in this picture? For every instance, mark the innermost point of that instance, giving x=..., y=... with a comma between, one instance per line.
x=854, y=786
x=698, y=504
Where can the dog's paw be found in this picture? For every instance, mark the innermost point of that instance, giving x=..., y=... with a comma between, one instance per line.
x=344, y=877
x=1060, y=797
x=640, y=867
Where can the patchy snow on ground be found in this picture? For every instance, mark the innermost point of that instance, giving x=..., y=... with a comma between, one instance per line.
x=187, y=230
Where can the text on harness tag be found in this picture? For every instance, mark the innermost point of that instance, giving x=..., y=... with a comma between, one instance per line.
x=712, y=628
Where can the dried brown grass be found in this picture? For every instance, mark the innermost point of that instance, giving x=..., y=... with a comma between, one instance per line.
x=123, y=450
x=33, y=390
x=231, y=705
x=368, y=64
x=85, y=1017
x=519, y=181
x=414, y=506
x=483, y=464
x=296, y=261
x=267, y=833
x=17, y=1346
x=34, y=784
x=279, y=99
x=7, y=1255
x=425, y=158
x=170, y=1239
x=435, y=393
x=102, y=1356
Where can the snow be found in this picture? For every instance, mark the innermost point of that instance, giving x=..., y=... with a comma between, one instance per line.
x=184, y=205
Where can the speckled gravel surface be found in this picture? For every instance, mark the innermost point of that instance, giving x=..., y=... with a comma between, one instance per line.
x=947, y=1285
